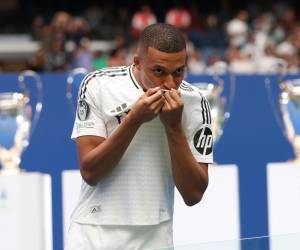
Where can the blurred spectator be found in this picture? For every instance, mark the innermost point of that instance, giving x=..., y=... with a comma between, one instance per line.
x=100, y=60
x=141, y=19
x=267, y=61
x=95, y=16
x=214, y=35
x=195, y=65
x=239, y=62
x=77, y=29
x=117, y=58
x=237, y=29
x=37, y=27
x=288, y=19
x=210, y=68
x=83, y=56
x=37, y=63
x=54, y=42
x=55, y=58
x=101, y=19
x=10, y=16
x=179, y=17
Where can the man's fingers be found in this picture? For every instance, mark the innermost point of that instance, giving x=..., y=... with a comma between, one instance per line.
x=152, y=91
x=169, y=99
x=159, y=107
x=158, y=103
x=166, y=106
x=154, y=97
x=173, y=97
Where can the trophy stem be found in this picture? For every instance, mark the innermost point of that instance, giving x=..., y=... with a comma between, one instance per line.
x=10, y=162
x=296, y=145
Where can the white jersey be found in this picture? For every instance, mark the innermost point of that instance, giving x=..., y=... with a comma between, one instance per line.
x=140, y=189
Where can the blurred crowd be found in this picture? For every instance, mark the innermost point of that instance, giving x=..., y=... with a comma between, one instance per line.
x=250, y=40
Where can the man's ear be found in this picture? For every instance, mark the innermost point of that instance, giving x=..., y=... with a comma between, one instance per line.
x=137, y=62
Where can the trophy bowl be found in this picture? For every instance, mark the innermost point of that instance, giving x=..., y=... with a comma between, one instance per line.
x=286, y=106
x=219, y=104
x=17, y=123
x=73, y=82
x=290, y=110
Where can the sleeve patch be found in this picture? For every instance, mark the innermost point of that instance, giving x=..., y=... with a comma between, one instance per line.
x=83, y=110
x=203, y=140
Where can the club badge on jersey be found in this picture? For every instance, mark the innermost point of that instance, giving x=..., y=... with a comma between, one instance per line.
x=203, y=140
x=83, y=110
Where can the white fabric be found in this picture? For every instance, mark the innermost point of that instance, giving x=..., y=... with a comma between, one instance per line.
x=140, y=189
x=91, y=237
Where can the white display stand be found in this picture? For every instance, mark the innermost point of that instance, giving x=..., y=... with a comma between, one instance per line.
x=25, y=212
x=283, y=183
x=71, y=184
x=216, y=217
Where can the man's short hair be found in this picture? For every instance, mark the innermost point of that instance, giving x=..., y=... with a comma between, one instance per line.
x=163, y=37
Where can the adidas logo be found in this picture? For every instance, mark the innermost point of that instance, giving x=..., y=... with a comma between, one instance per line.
x=119, y=109
x=95, y=209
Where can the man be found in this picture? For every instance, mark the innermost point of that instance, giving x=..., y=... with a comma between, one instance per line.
x=139, y=130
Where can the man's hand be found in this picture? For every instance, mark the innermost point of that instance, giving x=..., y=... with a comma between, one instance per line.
x=147, y=106
x=171, y=112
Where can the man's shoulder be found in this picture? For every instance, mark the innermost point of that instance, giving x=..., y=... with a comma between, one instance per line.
x=187, y=90
x=105, y=77
x=108, y=73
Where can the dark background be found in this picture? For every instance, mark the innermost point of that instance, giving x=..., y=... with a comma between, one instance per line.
x=22, y=15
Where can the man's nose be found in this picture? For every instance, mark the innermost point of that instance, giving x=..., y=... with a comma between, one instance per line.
x=169, y=82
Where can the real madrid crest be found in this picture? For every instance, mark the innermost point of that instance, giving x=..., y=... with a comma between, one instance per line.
x=83, y=110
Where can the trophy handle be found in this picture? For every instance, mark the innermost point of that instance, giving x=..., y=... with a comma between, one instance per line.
x=70, y=81
x=39, y=86
x=280, y=66
x=219, y=68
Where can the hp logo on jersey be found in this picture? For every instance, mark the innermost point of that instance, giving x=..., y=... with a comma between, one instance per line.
x=203, y=140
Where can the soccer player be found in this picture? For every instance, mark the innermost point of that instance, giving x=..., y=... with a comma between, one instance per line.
x=139, y=130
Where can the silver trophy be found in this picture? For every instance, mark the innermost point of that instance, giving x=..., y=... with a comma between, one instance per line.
x=17, y=121
x=290, y=109
x=288, y=117
x=220, y=106
x=72, y=90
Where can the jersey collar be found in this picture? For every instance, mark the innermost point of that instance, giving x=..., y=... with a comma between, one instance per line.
x=134, y=81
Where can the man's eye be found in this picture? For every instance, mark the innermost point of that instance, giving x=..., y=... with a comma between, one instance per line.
x=158, y=71
x=178, y=71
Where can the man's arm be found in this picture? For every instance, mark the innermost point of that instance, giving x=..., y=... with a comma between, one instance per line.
x=190, y=177
x=98, y=156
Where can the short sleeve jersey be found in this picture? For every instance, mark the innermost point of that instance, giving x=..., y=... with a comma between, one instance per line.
x=140, y=188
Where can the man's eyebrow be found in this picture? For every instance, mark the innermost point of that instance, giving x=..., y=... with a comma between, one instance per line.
x=159, y=66
x=165, y=69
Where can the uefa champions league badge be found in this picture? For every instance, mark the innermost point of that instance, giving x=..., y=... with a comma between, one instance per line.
x=203, y=140
x=83, y=110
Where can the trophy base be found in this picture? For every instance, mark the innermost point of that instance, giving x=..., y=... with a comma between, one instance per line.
x=295, y=161
x=26, y=211
x=11, y=171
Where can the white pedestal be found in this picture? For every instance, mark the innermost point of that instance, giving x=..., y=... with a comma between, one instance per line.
x=216, y=217
x=283, y=180
x=25, y=212
x=71, y=184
